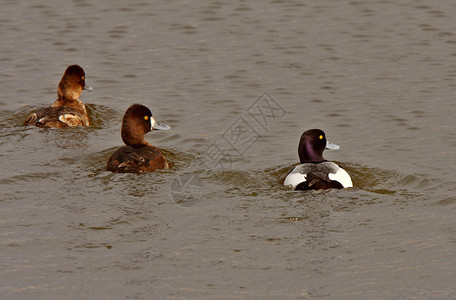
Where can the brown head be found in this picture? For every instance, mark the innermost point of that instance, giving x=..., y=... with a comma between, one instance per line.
x=72, y=83
x=138, y=121
x=135, y=124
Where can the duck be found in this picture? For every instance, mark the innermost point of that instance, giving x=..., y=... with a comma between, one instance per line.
x=315, y=172
x=138, y=155
x=67, y=110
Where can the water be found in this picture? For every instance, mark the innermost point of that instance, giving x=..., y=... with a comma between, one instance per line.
x=377, y=76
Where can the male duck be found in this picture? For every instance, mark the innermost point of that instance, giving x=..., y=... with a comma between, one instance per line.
x=316, y=173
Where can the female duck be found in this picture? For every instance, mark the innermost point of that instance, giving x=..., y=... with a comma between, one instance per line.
x=67, y=110
x=316, y=173
x=138, y=155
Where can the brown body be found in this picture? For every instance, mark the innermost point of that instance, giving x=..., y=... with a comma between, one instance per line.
x=138, y=155
x=67, y=110
x=127, y=159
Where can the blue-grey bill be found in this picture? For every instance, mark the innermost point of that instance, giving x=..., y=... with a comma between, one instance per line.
x=159, y=126
x=331, y=146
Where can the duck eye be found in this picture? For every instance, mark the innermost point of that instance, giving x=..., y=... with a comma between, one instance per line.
x=320, y=137
x=146, y=118
x=83, y=77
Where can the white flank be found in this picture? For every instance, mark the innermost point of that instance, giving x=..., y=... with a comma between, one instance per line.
x=299, y=174
x=341, y=176
x=294, y=178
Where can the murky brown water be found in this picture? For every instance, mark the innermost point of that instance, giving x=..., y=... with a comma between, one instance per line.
x=378, y=76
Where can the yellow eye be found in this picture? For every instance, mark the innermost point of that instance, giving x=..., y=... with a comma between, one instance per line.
x=83, y=77
x=146, y=118
x=320, y=137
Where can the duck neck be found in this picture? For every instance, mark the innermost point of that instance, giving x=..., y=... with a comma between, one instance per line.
x=310, y=156
x=67, y=92
x=63, y=101
x=133, y=138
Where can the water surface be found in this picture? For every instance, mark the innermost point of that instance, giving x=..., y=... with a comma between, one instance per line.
x=377, y=76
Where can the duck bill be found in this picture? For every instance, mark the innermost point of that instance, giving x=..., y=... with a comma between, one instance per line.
x=88, y=88
x=158, y=126
x=331, y=146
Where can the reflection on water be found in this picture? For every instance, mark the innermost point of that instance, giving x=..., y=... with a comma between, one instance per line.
x=377, y=77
